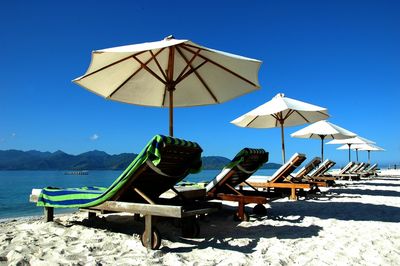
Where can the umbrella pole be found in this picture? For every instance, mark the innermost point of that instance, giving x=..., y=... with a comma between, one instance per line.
x=322, y=147
x=283, y=141
x=357, y=154
x=171, y=113
x=369, y=157
x=349, y=152
x=171, y=87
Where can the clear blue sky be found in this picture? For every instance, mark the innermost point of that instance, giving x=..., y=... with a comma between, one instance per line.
x=343, y=55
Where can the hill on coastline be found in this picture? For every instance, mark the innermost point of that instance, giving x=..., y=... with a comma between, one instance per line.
x=92, y=160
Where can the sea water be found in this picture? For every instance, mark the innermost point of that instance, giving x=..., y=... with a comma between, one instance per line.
x=16, y=186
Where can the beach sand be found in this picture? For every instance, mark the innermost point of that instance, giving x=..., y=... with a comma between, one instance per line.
x=355, y=223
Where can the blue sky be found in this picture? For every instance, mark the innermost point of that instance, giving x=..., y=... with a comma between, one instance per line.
x=342, y=55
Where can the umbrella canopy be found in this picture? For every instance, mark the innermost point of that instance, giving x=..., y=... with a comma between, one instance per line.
x=281, y=112
x=355, y=140
x=169, y=73
x=323, y=130
x=351, y=141
x=363, y=147
x=367, y=147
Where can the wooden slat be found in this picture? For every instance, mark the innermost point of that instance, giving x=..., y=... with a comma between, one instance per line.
x=324, y=178
x=145, y=209
x=279, y=185
x=241, y=198
x=320, y=183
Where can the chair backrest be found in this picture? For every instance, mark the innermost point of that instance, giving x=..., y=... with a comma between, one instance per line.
x=363, y=168
x=372, y=168
x=159, y=166
x=245, y=163
x=305, y=170
x=283, y=173
x=360, y=167
x=355, y=168
x=170, y=162
x=347, y=168
x=322, y=168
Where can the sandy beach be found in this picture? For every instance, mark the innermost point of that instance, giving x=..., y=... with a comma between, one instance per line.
x=355, y=223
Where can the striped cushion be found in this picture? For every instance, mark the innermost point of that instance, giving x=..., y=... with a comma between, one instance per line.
x=91, y=196
x=239, y=176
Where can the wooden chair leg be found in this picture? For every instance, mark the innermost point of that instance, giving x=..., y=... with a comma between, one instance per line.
x=148, y=227
x=48, y=214
x=241, y=211
x=293, y=194
x=91, y=215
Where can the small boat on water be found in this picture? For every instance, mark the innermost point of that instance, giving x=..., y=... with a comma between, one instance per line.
x=82, y=172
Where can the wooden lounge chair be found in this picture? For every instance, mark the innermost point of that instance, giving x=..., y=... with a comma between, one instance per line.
x=356, y=172
x=303, y=175
x=224, y=186
x=320, y=174
x=162, y=163
x=370, y=171
x=344, y=170
x=362, y=168
x=282, y=182
x=347, y=172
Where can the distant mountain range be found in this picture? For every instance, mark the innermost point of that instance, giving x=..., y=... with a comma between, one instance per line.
x=92, y=160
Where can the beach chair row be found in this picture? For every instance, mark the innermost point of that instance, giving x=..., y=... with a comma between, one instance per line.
x=354, y=171
x=150, y=186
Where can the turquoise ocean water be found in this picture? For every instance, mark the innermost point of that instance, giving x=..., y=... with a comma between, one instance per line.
x=16, y=186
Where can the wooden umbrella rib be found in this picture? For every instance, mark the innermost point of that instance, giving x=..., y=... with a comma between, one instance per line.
x=163, y=99
x=195, y=47
x=279, y=118
x=276, y=118
x=248, y=124
x=194, y=70
x=188, y=73
x=305, y=119
x=107, y=66
x=320, y=112
x=158, y=63
x=134, y=73
x=123, y=83
x=185, y=46
x=188, y=63
x=143, y=65
x=291, y=111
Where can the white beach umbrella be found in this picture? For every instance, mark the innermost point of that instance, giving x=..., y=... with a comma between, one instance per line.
x=351, y=141
x=363, y=147
x=281, y=112
x=169, y=73
x=323, y=130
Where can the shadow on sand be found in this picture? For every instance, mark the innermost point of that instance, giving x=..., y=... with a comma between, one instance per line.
x=248, y=237
x=346, y=211
x=376, y=184
x=217, y=230
x=220, y=230
x=369, y=192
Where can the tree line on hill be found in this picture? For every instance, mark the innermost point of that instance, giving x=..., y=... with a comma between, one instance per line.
x=92, y=160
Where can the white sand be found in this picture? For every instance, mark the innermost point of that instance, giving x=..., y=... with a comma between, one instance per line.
x=355, y=224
